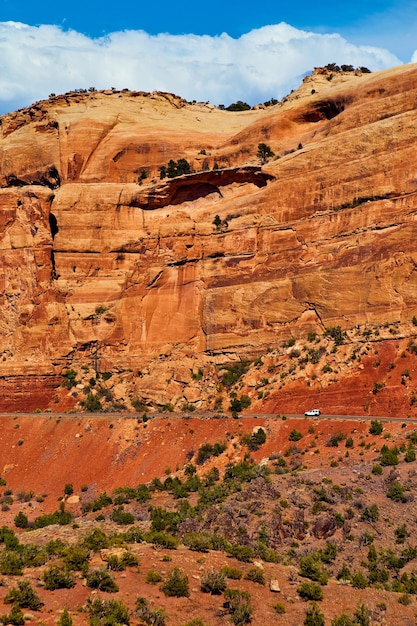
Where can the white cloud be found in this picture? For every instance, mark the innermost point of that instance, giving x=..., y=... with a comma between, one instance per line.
x=269, y=61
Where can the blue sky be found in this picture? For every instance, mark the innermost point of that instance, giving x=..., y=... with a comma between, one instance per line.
x=209, y=51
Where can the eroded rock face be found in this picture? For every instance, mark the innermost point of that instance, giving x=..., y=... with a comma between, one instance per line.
x=96, y=266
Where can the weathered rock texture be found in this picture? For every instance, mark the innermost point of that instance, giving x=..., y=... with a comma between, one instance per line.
x=100, y=270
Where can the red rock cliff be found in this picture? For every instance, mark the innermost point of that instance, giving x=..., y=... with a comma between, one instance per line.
x=99, y=268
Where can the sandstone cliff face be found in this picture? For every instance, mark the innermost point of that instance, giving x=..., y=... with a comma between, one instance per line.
x=98, y=268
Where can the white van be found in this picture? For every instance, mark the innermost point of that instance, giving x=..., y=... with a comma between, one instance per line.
x=312, y=413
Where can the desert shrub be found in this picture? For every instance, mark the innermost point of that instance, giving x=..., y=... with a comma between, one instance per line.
x=329, y=553
x=58, y=578
x=101, y=502
x=256, y=575
x=359, y=581
x=60, y=517
x=314, y=617
x=11, y=563
x=76, y=557
x=255, y=440
x=279, y=608
x=21, y=520
x=164, y=520
x=335, y=439
x=153, y=577
x=396, y=492
x=162, y=539
x=311, y=567
x=208, y=450
x=377, y=469
x=153, y=617
x=65, y=619
x=129, y=559
x=239, y=105
x=370, y=513
x=342, y=620
x=362, y=616
x=239, y=606
x=310, y=591
x=55, y=547
x=410, y=454
x=234, y=372
x=232, y=572
x=70, y=379
x=376, y=427
x=295, y=435
x=133, y=535
x=24, y=596
x=213, y=582
x=115, y=564
x=176, y=584
x=96, y=540
x=32, y=555
x=102, y=579
x=92, y=403
x=107, y=612
x=197, y=542
x=241, y=553
x=336, y=333
x=15, y=617
x=124, y=518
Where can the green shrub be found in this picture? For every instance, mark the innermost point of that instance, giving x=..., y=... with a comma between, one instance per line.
x=24, y=596
x=396, y=492
x=359, y=580
x=310, y=591
x=70, y=379
x=213, y=582
x=92, y=403
x=115, y=564
x=197, y=542
x=65, y=619
x=295, y=435
x=208, y=450
x=370, y=513
x=76, y=558
x=124, y=518
x=238, y=106
x=15, y=617
x=241, y=553
x=314, y=617
x=11, y=563
x=21, y=520
x=256, y=575
x=176, y=584
x=101, y=579
x=239, y=606
x=153, y=617
x=377, y=470
x=376, y=427
x=58, y=578
x=232, y=572
x=279, y=608
x=311, y=567
x=162, y=539
x=107, y=612
x=96, y=540
x=343, y=620
x=60, y=517
x=153, y=577
x=335, y=439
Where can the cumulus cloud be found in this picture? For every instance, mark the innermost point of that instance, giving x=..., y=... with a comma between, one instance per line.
x=264, y=63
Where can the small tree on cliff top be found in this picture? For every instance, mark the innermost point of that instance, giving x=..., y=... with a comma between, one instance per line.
x=264, y=152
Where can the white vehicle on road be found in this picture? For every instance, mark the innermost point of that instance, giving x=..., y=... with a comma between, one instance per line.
x=312, y=413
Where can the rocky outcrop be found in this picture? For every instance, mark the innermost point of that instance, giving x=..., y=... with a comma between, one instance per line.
x=104, y=264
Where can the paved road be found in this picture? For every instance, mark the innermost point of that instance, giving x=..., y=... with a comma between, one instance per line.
x=211, y=415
